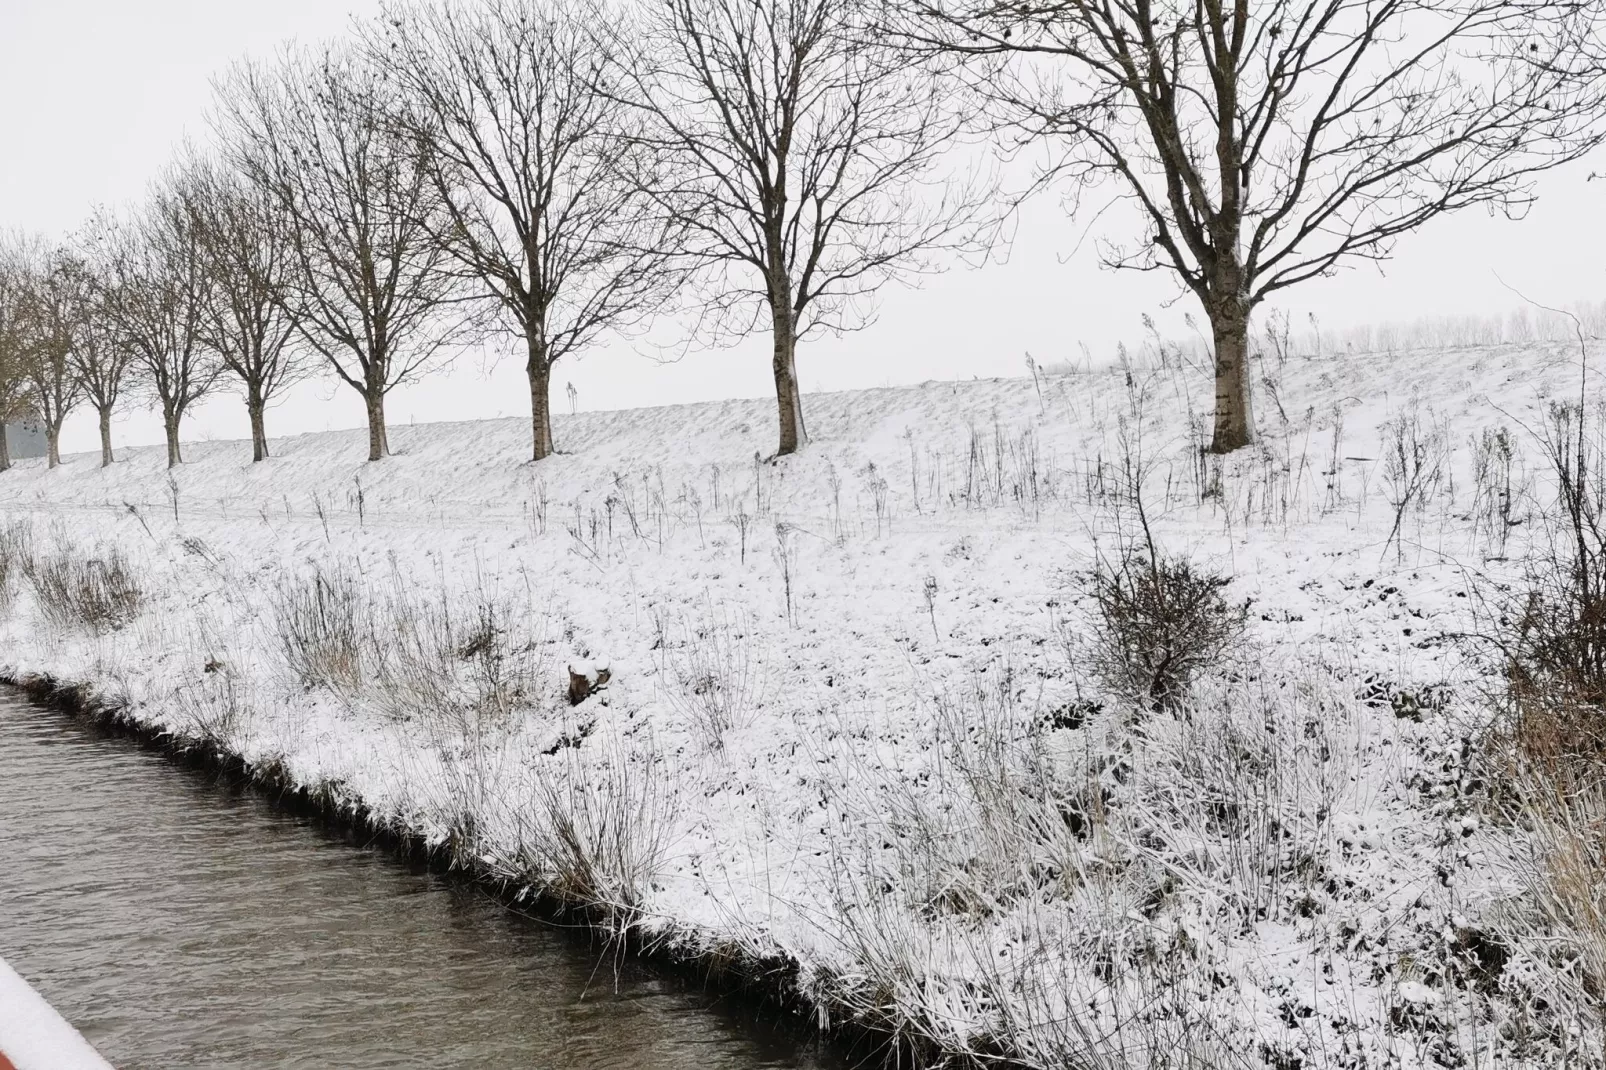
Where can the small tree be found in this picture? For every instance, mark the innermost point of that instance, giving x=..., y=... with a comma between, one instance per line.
x=321, y=135
x=155, y=296
x=247, y=256
x=99, y=359
x=1264, y=144
x=516, y=109
x=803, y=157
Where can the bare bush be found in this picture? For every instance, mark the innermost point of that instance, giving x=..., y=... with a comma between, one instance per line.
x=457, y=669
x=1024, y=833
x=1155, y=623
x=1413, y=468
x=1562, y=921
x=98, y=593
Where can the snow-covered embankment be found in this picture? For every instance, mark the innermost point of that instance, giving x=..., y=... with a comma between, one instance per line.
x=846, y=727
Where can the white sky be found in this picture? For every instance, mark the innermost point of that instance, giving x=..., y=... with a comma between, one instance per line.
x=95, y=93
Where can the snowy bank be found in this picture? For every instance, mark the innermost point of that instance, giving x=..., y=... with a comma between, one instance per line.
x=847, y=724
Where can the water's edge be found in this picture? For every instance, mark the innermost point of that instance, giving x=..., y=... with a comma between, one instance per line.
x=767, y=986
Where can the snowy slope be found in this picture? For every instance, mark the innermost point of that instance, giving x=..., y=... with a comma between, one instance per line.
x=823, y=668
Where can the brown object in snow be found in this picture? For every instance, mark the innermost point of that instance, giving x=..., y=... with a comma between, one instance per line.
x=581, y=687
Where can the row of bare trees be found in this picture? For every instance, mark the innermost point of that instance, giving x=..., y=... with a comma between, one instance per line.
x=563, y=169
x=557, y=170
x=167, y=302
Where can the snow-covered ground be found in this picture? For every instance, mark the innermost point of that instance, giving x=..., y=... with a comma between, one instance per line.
x=33, y=1036
x=848, y=722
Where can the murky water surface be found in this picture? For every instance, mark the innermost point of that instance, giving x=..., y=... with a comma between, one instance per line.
x=180, y=923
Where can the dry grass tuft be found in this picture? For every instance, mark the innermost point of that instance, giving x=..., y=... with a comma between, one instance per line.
x=595, y=834
x=97, y=593
x=326, y=629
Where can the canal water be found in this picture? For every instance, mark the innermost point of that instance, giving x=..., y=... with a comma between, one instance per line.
x=181, y=923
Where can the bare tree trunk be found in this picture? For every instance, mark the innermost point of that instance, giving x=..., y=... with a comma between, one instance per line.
x=170, y=425
x=53, y=437
x=105, y=436
x=787, y=395
x=5, y=449
x=378, y=444
x=259, y=431
x=540, y=372
x=1235, y=421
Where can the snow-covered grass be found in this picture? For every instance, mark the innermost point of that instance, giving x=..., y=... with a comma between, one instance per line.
x=851, y=722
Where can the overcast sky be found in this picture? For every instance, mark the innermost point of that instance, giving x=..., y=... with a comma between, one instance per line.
x=96, y=92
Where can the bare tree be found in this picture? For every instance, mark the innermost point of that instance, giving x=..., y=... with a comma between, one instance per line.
x=155, y=296
x=805, y=159
x=528, y=142
x=320, y=134
x=13, y=339
x=99, y=359
x=247, y=255
x=1264, y=144
x=46, y=326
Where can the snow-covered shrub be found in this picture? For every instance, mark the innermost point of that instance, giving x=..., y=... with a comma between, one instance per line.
x=1235, y=886
x=1562, y=923
x=1156, y=622
x=73, y=590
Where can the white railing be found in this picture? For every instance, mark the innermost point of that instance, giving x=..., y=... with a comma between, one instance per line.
x=33, y=1036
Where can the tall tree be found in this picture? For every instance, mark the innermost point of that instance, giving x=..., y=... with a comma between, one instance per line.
x=320, y=133
x=155, y=287
x=515, y=105
x=99, y=358
x=1264, y=144
x=247, y=254
x=805, y=159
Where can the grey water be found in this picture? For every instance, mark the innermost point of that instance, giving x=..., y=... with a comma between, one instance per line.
x=179, y=922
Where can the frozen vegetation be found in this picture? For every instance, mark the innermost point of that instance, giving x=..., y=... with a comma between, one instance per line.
x=864, y=729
